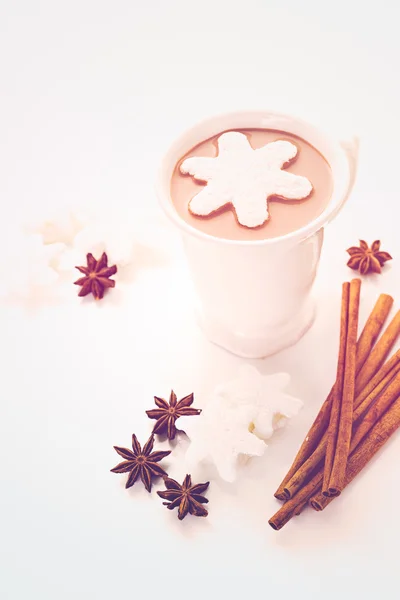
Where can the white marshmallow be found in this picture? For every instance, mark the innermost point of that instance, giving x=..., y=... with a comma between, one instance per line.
x=58, y=225
x=244, y=178
x=29, y=276
x=238, y=417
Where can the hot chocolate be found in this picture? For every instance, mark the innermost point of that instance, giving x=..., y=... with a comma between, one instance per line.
x=248, y=195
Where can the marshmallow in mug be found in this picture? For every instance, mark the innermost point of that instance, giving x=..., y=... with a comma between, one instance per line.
x=245, y=178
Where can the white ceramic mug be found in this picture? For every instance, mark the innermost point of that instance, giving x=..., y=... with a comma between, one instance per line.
x=254, y=296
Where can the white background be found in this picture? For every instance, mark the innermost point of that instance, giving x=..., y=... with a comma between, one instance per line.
x=92, y=92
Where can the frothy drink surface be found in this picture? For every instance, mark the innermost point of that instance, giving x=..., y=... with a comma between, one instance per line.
x=285, y=216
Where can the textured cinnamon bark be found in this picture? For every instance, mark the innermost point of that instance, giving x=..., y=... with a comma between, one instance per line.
x=310, y=443
x=379, y=353
x=333, y=428
x=300, y=508
x=376, y=411
x=368, y=421
x=292, y=506
x=377, y=379
x=376, y=438
x=318, y=502
x=361, y=408
x=372, y=328
x=305, y=472
x=320, y=424
x=361, y=405
x=386, y=423
x=334, y=480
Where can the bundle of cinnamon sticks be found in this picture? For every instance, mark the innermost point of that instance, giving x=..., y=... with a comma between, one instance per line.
x=359, y=415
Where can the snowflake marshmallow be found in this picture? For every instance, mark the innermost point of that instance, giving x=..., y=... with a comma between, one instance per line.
x=245, y=178
x=29, y=276
x=269, y=407
x=59, y=224
x=239, y=416
x=113, y=238
x=220, y=436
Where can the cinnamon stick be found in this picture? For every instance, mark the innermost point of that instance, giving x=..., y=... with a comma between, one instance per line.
x=314, y=435
x=387, y=422
x=376, y=411
x=311, y=441
x=377, y=437
x=378, y=383
x=339, y=444
x=300, y=508
x=379, y=353
x=307, y=469
x=372, y=328
x=333, y=428
x=292, y=506
x=361, y=407
x=374, y=414
x=377, y=378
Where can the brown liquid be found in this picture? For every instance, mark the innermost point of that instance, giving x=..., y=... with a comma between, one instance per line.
x=285, y=216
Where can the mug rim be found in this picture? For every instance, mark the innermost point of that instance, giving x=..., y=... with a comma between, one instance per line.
x=272, y=120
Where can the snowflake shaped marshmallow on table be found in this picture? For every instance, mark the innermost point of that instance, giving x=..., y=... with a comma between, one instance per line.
x=29, y=275
x=83, y=232
x=238, y=417
x=113, y=238
x=245, y=178
x=58, y=224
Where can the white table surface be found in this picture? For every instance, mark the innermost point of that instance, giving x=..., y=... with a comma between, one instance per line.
x=92, y=92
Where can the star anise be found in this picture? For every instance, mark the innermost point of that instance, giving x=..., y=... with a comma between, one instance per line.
x=365, y=259
x=97, y=276
x=140, y=462
x=189, y=498
x=167, y=413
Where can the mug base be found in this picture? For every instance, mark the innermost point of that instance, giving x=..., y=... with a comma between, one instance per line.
x=259, y=347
